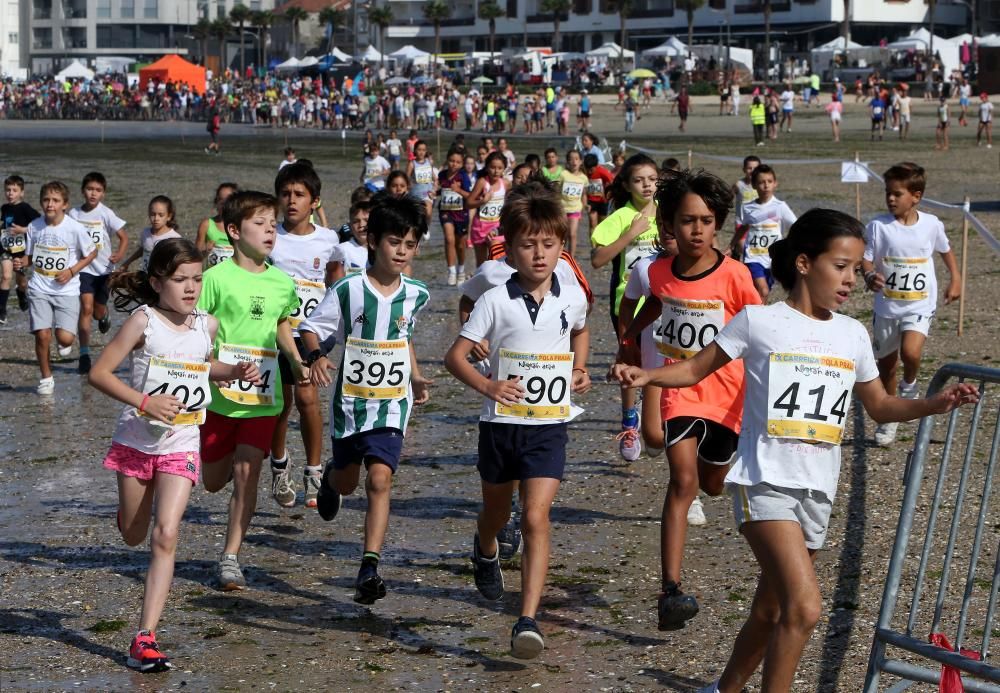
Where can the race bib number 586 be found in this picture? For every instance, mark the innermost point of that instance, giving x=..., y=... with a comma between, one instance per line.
x=241, y=391
x=808, y=396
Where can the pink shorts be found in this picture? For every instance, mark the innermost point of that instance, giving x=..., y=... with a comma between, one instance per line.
x=479, y=233
x=132, y=462
x=573, y=215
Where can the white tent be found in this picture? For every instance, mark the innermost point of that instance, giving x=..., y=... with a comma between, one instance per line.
x=670, y=48
x=611, y=50
x=990, y=40
x=289, y=65
x=408, y=52
x=340, y=56
x=738, y=56
x=427, y=59
x=111, y=63
x=920, y=41
x=75, y=70
x=309, y=61
x=836, y=44
x=821, y=58
x=371, y=55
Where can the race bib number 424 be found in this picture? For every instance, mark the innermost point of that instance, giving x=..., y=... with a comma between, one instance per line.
x=546, y=379
x=808, y=396
x=185, y=380
x=241, y=391
x=376, y=370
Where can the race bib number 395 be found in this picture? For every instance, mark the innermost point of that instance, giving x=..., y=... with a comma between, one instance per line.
x=376, y=370
x=906, y=278
x=241, y=391
x=808, y=396
x=546, y=379
x=185, y=380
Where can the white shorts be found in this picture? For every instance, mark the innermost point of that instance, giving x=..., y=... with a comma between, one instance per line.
x=888, y=332
x=835, y=116
x=46, y=311
x=811, y=509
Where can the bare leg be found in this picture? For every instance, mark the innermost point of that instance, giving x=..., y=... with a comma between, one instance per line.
x=536, y=500
x=172, y=494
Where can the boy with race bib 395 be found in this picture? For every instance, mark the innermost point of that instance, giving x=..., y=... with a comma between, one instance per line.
x=762, y=223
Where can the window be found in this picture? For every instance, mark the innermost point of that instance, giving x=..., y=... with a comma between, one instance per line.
x=42, y=9
x=717, y=4
x=153, y=36
x=75, y=9
x=512, y=8
x=582, y=6
x=103, y=9
x=220, y=10
x=74, y=37
x=42, y=38
x=115, y=36
x=255, y=5
x=127, y=9
x=150, y=9
x=12, y=38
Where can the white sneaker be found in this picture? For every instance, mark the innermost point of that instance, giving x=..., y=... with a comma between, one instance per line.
x=452, y=279
x=46, y=386
x=908, y=391
x=885, y=434
x=710, y=688
x=65, y=351
x=653, y=452
x=696, y=513
x=461, y=278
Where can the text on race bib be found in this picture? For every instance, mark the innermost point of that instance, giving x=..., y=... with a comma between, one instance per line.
x=50, y=260
x=689, y=325
x=185, y=380
x=572, y=190
x=748, y=195
x=636, y=251
x=595, y=188
x=808, y=396
x=762, y=236
x=95, y=229
x=906, y=278
x=546, y=379
x=241, y=391
x=376, y=370
x=218, y=253
x=423, y=175
x=451, y=201
x=372, y=170
x=490, y=211
x=13, y=242
x=310, y=294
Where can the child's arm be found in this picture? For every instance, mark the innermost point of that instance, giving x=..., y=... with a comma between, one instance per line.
x=456, y=361
x=337, y=272
x=602, y=255
x=286, y=342
x=478, y=194
x=321, y=216
x=885, y=408
x=421, y=385
x=122, y=246
x=201, y=240
x=69, y=273
x=579, y=342
x=136, y=254
x=954, y=289
x=678, y=374
x=632, y=324
x=225, y=373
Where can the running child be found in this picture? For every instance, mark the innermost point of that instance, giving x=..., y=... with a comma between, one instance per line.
x=395, y=149
x=485, y=203
x=695, y=294
x=101, y=223
x=58, y=247
x=743, y=193
x=941, y=132
x=397, y=184
x=599, y=181
x=359, y=194
x=531, y=320
x=351, y=256
x=876, y=109
x=420, y=173
x=305, y=252
x=155, y=446
x=552, y=169
x=626, y=236
x=252, y=302
x=212, y=240
x=572, y=188
x=162, y=225
x=373, y=314
x=374, y=169
x=784, y=478
x=899, y=267
x=985, y=121
x=453, y=189
x=15, y=216
x=762, y=223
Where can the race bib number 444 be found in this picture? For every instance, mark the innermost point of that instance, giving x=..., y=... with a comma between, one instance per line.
x=808, y=396
x=688, y=325
x=546, y=379
x=185, y=380
x=906, y=278
x=376, y=370
x=241, y=391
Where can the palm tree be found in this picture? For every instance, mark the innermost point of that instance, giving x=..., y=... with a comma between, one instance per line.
x=331, y=19
x=294, y=15
x=557, y=8
x=690, y=7
x=437, y=11
x=624, y=8
x=221, y=28
x=382, y=18
x=263, y=20
x=491, y=11
x=845, y=28
x=203, y=31
x=239, y=15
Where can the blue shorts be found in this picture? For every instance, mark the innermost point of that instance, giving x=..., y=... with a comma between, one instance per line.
x=383, y=445
x=963, y=101
x=97, y=284
x=461, y=227
x=758, y=271
x=515, y=452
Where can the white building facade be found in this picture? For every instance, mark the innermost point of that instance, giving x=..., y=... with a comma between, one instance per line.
x=10, y=38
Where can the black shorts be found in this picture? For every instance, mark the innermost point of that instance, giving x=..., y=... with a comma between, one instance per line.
x=285, y=368
x=716, y=443
x=600, y=207
x=97, y=284
x=461, y=227
x=383, y=445
x=515, y=452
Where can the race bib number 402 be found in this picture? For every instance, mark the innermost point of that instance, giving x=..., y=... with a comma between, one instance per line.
x=906, y=278
x=241, y=391
x=310, y=294
x=688, y=325
x=185, y=380
x=546, y=379
x=808, y=396
x=376, y=370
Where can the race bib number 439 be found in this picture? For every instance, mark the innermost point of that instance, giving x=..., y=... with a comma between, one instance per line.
x=376, y=370
x=688, y=325
x=241, y=391
x=808, y=396
x=546, y=379
x=185, y=380
x=906, y=278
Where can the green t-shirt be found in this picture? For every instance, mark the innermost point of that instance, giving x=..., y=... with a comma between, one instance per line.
x=249, y=307
x=609, y=231
x=215, y=234
x=551, y=175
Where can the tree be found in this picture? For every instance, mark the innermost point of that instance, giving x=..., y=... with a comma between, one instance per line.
x=491, y=11
x=294, y=15
x=437, y=11
x=382, y=18
x=331, y=19
x=624, y=9
x=557, y=8
x=766, y=8
x=845, y=28
x=263, y=20
x=931, y=7
x=240, y=15
x=203, y=31
x=690, y=7
x=221, y=28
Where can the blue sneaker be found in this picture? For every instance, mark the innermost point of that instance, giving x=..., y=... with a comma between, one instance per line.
x=629, y=444
x=526, y=640
x=487, y=573
x=509, y=538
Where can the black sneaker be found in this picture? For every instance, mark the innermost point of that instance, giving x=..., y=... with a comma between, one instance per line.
x=489, y=578
x=369, y=587
x=22, y=300
x=327, y=500
x=84, y=366
x=509, y=538
x=104, y=324
x=674, y=608
x=526, y=640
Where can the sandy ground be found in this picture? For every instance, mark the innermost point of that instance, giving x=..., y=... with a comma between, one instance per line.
x=70, y=590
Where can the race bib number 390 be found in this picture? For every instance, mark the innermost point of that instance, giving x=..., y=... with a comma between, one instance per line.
x=185, y=380
x=546, y=379
x=906, y=278
x=688, y=325
x=376, y=370
x=241, y=391
x=808, y=396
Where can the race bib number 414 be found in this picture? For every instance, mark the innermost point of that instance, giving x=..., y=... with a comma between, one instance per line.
x=241, y=391
x=546, y=379
x=185, y=380
x=808, y=396
x=376, y=370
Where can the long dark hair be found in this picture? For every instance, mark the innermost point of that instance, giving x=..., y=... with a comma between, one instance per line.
x=810, y=235
x=133, y=289
x=618, y=189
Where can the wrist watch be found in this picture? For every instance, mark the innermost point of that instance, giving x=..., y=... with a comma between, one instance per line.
x=312, y=357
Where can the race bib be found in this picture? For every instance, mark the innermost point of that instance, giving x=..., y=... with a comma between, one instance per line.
x=595, y=188
x=451, y=201
x=50, y=260
x=423, y=176
x=242, y=392
x=572, y=190
x=762, y=236
x=372, y=171
x=185, y=380
x=95, y=229
x=808, y=396
x=688, y=325
x=637, y=251
x=376, y=370
x=490, y=211
x=546, y=379
x=310, y=294
x=13, y=242
x=218, y=253
x=906, y=278
x=876, y=110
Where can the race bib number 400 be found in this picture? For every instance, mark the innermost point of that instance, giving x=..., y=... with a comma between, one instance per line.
x=185, y=380
x=50, y=260
x=241, y=391
x=808, y=396
x=546, y=379
x=689, y=325
x=762, y=236
x=906, y=278
x=310, y=294
x=376, y=370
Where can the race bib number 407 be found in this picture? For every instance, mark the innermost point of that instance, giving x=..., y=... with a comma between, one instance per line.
x=376, y=370
x=546, y=379
x=808, y=396
x=762, y=236
x=906, y=278
x=185, y=380
x=688, y=325
x=241, y=391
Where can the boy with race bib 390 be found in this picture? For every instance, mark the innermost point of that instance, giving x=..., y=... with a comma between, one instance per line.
x=899, y=268
x=372, y=313
x=762, y=223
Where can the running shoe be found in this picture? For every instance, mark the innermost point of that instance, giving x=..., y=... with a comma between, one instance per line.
x=144, y=654
x=452, y=279
x=911, y=391
x=64, y=352
x=509, y=538
x=22, y=300
x=674, y=608
x=461, y=278
x=310, y=483
x=696, y=513
x=710, y=688
x=281, y=486
x=327, y=500
x=526, y=640
x=46, y=386
x=3, y=318
x=653, y=452
x=885, y=434
x=369, y=586
x=629, y=444
x=83, y=367
x=229, y=575
x=104, y=324
x=487, y=573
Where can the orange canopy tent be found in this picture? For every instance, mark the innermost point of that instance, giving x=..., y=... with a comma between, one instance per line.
x=173, y=68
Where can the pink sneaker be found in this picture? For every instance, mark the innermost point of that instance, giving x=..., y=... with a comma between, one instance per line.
x=144, y=654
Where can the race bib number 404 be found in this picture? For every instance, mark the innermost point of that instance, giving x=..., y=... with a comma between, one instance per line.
x=241, y=391
x=906, y=278
x=310, y=294
x=546, y=379
x=688, y=325
x=185, y=380
x=376, y=370
x=808, y=396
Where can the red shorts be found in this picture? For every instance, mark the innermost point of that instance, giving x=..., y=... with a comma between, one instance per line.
x=141, y=465
x=221, y=434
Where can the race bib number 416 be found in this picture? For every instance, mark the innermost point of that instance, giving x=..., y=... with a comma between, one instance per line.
x=376, y=370
x=689, y=325
x=546, y=379
x=808, y=396
x=241, y=391
x=906, y=278
x=185, y=380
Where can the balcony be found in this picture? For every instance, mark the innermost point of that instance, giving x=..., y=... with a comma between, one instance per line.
x=41, y=9
x=74, y=37
x=74, y=9
x=757, y=7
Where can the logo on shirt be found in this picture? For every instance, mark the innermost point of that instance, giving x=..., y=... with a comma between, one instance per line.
x=401, y=323
x=361, y=319
x=564, y=321
x=257, y=307
x=315, y=263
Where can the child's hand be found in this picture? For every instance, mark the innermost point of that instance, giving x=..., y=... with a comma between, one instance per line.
x=479, y=351
x=421, y=388
x=20, y=262
x=163, y=408
x=300, y=372
x=629, y=376
x=247, y=372
x=953, y=291
x=64, y=276
x=116, y=257
x=505, y=391
x=629, y=354
x=581, y=381
x=318, y=372
x=874, y=281
x=953, y=397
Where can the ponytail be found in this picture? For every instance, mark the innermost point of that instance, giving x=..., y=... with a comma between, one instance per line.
x=131, y=289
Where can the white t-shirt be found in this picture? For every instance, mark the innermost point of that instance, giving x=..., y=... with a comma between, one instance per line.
x=394, y=146
x=100, y=223
x=636, y=288
x=744, y=193
x=54, y=249
x=351, y=255
x=904, y=256
x=304, y=259
x=285, y=162
x=149, y=241
x=374, y=171
x=800, y=375
x=496, y=273
x=768, y=222
x=787, y=100
x=985, y=112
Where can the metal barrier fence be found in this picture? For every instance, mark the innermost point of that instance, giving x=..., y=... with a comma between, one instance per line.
x=968, y=611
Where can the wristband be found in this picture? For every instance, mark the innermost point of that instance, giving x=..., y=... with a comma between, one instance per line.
x=145, y=401
x=868, y=276
x=582, y=370
x=626, y=342
x=312, y=357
